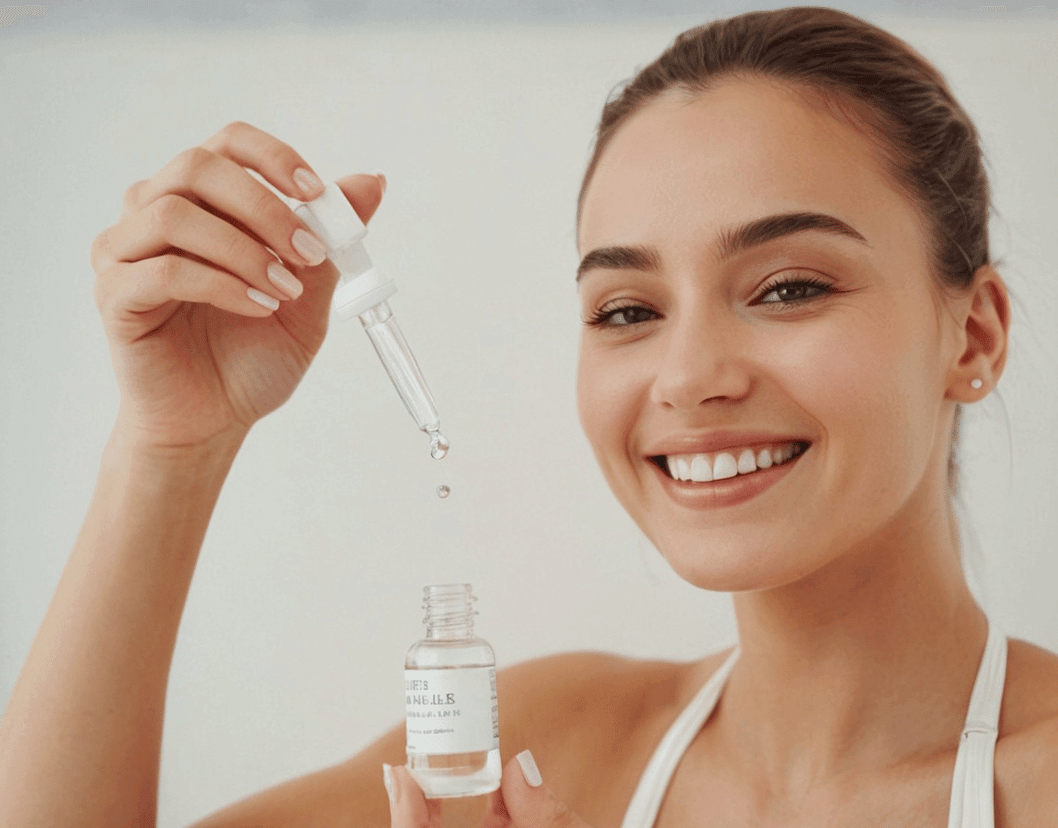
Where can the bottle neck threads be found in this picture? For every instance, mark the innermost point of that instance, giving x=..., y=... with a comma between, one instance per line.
x=449, y=611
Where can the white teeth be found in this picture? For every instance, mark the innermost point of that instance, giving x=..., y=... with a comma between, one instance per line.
x=701, y=471
x=724, y=466
x=703, y=468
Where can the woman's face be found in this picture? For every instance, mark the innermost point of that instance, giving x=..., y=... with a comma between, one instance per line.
x=820, y=358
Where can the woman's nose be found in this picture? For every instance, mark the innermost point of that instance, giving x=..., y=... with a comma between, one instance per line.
x=701, y=360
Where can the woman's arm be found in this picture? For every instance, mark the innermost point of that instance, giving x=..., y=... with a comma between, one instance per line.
x=81, y=737
x=215, y=300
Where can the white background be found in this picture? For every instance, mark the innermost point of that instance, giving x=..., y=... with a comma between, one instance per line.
x=308, y=591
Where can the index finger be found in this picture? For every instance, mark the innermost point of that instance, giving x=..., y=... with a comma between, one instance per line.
x=278, y=163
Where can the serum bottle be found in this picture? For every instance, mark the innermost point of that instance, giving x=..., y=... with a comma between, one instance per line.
x=453, y=742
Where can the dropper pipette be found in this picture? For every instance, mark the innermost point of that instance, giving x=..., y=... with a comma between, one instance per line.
x=363, y=291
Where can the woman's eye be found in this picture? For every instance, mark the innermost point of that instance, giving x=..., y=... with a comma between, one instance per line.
x=793, y=291
x=621, y=317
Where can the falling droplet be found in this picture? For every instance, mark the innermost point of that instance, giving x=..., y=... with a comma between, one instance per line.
x=443, y=492
x=438, y=444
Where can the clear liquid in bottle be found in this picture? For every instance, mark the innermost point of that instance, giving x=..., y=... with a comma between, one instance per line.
x=453, y=744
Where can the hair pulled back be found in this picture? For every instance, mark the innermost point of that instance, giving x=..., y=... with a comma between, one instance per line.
x=870, y=79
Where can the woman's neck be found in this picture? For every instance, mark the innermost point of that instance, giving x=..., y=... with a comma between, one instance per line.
x=868, y=661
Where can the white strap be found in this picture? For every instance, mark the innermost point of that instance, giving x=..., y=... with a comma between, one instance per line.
x=973, y=783
x=646, y=801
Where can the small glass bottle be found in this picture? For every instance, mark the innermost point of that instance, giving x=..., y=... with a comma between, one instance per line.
x=453, y=744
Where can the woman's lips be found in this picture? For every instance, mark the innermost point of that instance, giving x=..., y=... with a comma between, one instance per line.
x=727, y=489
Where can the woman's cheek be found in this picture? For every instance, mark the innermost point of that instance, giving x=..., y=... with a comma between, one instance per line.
x=610, y=400
x=598, y=394
x=861, y=392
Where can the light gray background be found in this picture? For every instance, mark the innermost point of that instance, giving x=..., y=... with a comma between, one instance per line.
x=308, y=590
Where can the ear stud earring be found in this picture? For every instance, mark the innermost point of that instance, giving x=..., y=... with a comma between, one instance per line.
x=977, y=383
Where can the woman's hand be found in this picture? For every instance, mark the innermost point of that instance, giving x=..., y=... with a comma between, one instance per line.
x=523, y=801
x=209, y=330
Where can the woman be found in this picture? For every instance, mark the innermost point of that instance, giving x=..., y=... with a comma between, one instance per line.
x=787, y=295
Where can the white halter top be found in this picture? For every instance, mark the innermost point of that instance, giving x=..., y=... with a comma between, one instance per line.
x=972, y=786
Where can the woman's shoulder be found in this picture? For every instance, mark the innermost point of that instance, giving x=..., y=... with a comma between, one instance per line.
x=1026, y=759
x=577, y=688
x=1030, y=693
x=1029, y=716
x=593, y=719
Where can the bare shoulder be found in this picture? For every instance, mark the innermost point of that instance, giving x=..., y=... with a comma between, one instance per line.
x=571, y=688
x=1027, y=751
x=579, y=690
x=593, y=720
x=1030, y=693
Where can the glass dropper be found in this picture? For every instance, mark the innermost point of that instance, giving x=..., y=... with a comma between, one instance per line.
x=363, y=291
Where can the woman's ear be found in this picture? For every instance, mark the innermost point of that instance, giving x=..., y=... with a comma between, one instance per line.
x=985, y=321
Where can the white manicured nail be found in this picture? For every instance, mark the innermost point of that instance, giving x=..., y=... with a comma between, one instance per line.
x=387, y=780
x=307, y=181
x=529, y=769
x=284, y=280
x=311, y=249
x=381, y=180
x=263, y=299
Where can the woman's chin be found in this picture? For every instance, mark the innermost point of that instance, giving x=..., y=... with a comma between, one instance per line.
x=736, y=567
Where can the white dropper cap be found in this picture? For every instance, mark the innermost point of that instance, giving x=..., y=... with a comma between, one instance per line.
x=361, y=285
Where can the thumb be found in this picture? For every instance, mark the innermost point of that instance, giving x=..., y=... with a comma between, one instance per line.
x=530, y=803
x=364, y=193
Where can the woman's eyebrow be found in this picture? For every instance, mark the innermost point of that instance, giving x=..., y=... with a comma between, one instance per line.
x=729, y=242
x=620, y=258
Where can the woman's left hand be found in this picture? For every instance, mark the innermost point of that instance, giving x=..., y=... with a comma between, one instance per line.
x=523, y=801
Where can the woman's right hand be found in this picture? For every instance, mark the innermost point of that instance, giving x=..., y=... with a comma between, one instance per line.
x=208, y=330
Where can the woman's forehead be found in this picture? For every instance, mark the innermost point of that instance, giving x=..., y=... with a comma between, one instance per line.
x=742, y=149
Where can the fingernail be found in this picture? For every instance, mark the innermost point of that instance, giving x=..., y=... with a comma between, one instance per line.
x=381, y=180
x=387, y=780
x=308, y=182
x=529, y=769
x=263, y=299
x=284, y=280
x=309, y=247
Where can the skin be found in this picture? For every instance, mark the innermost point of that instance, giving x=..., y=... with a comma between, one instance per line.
x=843, y=560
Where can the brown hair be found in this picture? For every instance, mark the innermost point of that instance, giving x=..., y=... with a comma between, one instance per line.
x=862, y=75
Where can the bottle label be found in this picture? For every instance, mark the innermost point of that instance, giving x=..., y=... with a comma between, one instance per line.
x=452, y=710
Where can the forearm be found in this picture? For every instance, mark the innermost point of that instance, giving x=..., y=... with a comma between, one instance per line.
x=81, y=736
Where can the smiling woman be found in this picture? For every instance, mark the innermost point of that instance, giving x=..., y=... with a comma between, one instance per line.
x=786, y=294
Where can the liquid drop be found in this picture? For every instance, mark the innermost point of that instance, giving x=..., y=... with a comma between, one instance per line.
x=443, y=492
x=438, y=444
